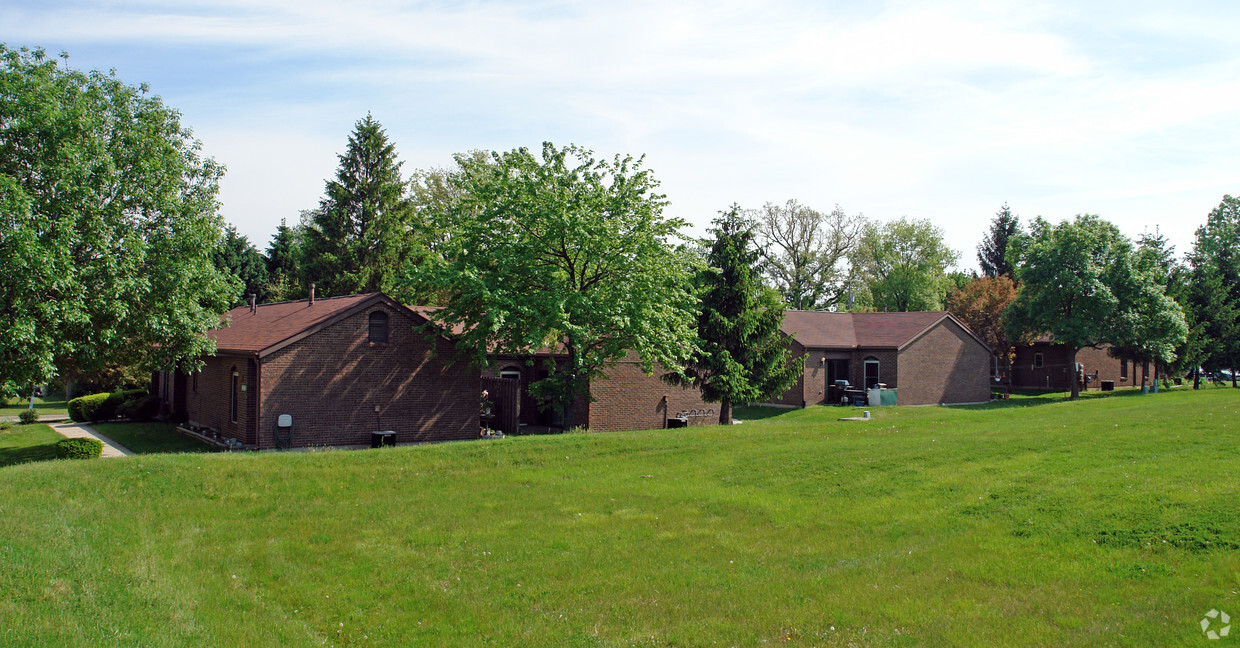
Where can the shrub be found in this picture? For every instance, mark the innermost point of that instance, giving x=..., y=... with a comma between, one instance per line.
x=84, y=448
x=101, y=407
x=139, y=408
x=86, y=408
x=28, y=416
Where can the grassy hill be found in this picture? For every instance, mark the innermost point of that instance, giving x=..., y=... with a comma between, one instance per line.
x=1037, y=522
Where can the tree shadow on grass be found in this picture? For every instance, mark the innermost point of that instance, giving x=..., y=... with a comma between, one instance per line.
x=1034, y=399
x=758, y=412
x=27, y=454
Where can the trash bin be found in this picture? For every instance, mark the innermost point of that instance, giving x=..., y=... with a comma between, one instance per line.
x=1108, y=385
x=677, y=422
x=382, y=438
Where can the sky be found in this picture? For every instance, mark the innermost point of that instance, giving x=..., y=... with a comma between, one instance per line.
x=929, y=110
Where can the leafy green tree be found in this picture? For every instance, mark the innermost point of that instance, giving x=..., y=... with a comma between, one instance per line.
x=1079, y=283
x=741, y=355
x=996, y=251
x=1215, y=262
x=904, y=264
x=562, y=251
x=1154, y=256
x=360, y=237
x=804, y=251
x=238, y=257
x=110, y=220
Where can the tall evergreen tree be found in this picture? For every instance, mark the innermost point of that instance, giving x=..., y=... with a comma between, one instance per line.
x=359, y=238
x=741, y=354
x=992, y=253
x=284, y=262
x=1215, y=262
x=238, y=257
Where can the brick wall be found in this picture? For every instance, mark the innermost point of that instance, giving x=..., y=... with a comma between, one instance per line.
x=1056, y=370
x=888, y=366
x=946, y=365
x=331, y=382
x=207, y=396
x=801, y=391
x=630, y=400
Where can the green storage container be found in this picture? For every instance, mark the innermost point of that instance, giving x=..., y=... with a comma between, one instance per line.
x=887, y=397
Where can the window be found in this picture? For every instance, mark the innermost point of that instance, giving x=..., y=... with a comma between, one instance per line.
x=510, y=373
x=233, y=394
x=871, y=372
x=195, y=381
x=1123, y=370
x=1037, y=361
x=378, y=327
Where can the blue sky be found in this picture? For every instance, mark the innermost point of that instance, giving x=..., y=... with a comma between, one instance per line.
x=936, y=110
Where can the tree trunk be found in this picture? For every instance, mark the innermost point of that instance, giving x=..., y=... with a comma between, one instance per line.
x=1076, y=375
x=1197, y=378
x=31, y=397
x=725, y=411
x=1145, y=371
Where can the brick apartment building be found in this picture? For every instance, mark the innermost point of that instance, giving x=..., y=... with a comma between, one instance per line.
x=627, y=399
x=1045, y=365
x=341, y=367
x=928, y=357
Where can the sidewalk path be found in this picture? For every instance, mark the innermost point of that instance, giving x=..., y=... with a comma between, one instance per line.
x=71, y=430
x=43, y=418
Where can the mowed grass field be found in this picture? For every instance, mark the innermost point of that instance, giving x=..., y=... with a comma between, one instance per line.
x=1104, y=522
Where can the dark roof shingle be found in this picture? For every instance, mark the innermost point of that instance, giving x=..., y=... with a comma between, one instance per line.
x=270, y=324
x=854, y=330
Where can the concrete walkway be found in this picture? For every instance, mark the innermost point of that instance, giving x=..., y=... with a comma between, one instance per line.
x=71, y=430
x=47, y=418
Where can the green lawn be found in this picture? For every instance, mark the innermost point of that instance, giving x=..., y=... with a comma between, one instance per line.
x=1109, y=521
x=25, y=443
x=46, y=407
x=150, y=437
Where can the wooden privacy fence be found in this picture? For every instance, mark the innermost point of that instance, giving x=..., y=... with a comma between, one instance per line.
x=505, y=397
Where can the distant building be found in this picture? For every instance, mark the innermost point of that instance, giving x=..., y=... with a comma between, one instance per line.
x=928, y=357
x=1045, y=365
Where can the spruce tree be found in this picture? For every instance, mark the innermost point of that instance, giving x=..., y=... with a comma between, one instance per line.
x=284, y=262
x=359, y=238
x=741, y=356
x=992, y=253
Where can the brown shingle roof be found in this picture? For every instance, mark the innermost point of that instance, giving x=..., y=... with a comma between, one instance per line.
x=853, y=330
x=270, y=324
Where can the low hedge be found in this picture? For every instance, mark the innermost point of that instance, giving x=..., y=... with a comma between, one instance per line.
x=102, y=407
x=83, y=448
x=28, y=416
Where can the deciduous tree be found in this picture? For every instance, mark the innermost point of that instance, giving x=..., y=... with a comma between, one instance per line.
x=562, y=251
x=1079, y=283
x=110, y=220
x=904, y=264
x=981, y=305
x=741, y=355
x=804, y=251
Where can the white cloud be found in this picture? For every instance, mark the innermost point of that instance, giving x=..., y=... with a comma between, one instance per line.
x=939, y=110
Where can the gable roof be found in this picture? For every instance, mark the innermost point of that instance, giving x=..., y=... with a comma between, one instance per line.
x=270, y=327
x=816, y=329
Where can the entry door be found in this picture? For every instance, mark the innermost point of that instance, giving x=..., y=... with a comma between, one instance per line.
x=836, y=370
